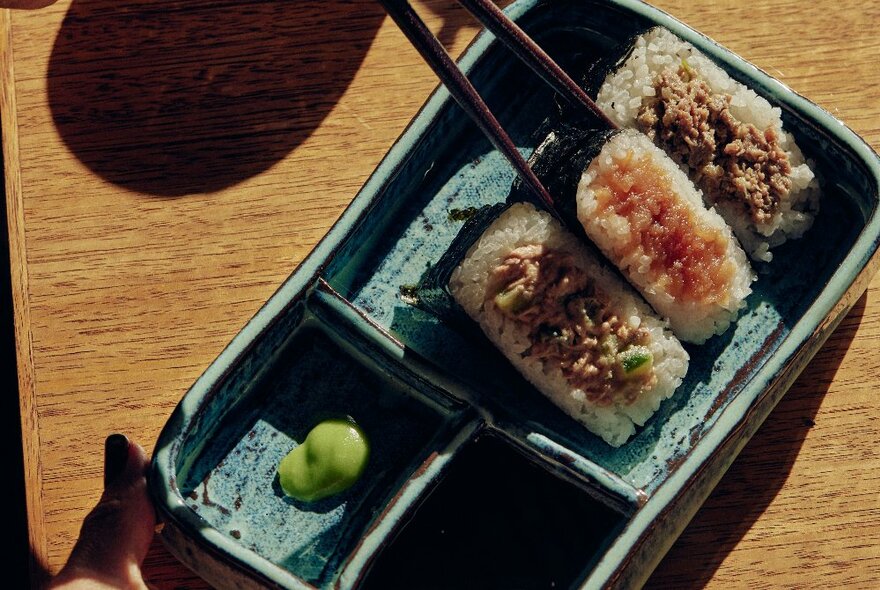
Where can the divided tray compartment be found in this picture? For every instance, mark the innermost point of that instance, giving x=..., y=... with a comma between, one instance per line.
x=500, y=518
x=323, y=359
x=231, y=483
x=437, y=402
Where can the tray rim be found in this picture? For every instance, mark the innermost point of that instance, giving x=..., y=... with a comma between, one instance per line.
x=844, y=286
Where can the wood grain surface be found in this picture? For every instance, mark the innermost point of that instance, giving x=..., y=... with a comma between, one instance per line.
x=169, y=163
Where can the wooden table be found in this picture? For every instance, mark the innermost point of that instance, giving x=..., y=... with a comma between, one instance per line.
x=170, y=163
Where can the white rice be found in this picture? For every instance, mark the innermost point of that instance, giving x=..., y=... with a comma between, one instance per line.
x=622, y=95
x=692, y=321
x=521, y=225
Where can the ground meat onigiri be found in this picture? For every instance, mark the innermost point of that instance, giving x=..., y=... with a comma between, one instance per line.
x=570, y=323
x=732, y=160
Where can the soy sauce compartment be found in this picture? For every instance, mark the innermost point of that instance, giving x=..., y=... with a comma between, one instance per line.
x=498, y=519
x=229, y=477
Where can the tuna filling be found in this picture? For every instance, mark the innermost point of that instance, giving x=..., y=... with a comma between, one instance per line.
x=732, y=160
x=571, y=325
x=687, y=259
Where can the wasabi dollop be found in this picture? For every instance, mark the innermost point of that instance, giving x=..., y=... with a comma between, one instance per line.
x=329, y=461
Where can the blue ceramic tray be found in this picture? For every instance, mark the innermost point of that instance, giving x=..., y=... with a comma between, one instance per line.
x=475, y=479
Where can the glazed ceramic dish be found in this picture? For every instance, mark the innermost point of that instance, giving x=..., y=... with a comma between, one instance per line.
x=473, y=474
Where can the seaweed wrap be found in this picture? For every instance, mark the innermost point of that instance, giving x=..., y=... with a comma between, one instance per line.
x=729, y=139
x=569, y=325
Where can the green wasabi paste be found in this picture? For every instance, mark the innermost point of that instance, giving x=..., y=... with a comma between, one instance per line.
x=329, y=461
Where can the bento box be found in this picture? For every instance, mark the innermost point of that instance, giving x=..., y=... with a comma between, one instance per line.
x=475, y=479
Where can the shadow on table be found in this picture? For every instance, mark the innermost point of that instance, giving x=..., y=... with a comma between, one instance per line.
x=758, y=474
x=174, y=98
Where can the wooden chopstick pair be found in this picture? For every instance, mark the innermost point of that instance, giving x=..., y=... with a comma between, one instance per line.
x=467, y=96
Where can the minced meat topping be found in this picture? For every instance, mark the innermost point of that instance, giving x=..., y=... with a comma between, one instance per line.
x=571, y=326
x=733, y=161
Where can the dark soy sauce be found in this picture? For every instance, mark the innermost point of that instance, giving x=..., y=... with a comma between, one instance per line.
x=497, y=520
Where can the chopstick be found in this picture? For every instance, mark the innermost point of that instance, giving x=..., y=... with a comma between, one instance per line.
x=463, y=92
x=509, y=33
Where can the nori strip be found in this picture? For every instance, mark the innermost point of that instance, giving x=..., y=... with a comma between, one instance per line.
x=432, y=291
x=559, y=161
x=607, y=64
